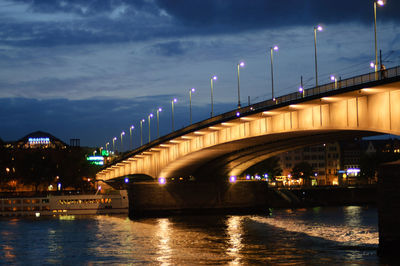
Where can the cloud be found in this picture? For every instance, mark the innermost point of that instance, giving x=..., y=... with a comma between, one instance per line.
x=238, y=15
x=171, y=48
x=59, y=22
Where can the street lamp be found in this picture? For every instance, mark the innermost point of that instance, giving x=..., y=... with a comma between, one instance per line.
x=380, y=3
x=114, y=139
x=141, y=132
x=333, y=78
x=192, y=90
x=108, y=143
x=317, y=28
x=239, y=65
x=301, y=88
x=149, y=117
x=172, y=107
x=275, y=48
x=212, y=92
x=130, y=135
x=158, y=121
x=122, y=143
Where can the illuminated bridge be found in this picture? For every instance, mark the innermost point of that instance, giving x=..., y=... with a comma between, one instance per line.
x=228, y=144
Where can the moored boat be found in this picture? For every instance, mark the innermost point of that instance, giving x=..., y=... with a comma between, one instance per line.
x=65, y=205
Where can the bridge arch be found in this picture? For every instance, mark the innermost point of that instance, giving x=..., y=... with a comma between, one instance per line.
x=229, y=145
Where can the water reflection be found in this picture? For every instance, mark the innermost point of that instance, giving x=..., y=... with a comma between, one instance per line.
x=353, y=215
x=289, y=237
x=163, y=234
x=235, y=234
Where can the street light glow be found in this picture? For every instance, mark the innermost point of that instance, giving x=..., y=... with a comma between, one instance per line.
x=160, y=109
x=162, y=181
x=215, y=78
x=193, y=89
x=319, y=28
x=333, y=78
x=175, y=100
x=276, y=48
x=300, y=89
x=380, y=2
x=372, y=65
x=241, y=64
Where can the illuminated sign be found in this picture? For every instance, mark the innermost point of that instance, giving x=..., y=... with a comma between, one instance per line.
x=96, y=160
x=105, y=153
x=353, y=171
x=38, y=141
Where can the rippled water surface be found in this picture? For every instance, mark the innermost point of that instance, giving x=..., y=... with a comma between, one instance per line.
x=334, y=235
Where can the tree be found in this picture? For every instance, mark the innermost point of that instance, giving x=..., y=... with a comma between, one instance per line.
x=36, y=167
x=303, y=170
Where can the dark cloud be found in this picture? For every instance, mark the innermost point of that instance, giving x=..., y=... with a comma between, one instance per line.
x=143, y=20
x=255, y=14
x=94, y=121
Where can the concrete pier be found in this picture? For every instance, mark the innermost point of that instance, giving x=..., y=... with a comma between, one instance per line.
x=389, y=209
x=148, y=199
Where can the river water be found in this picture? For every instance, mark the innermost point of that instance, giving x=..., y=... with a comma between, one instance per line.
x=323, y=235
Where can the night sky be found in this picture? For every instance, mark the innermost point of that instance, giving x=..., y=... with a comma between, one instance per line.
x=90, y=69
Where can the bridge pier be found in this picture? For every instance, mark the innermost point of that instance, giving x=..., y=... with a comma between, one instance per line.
x=152, y=199
x=389, y=209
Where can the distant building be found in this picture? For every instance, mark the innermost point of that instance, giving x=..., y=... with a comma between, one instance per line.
x=37, y=140
x=324, y=159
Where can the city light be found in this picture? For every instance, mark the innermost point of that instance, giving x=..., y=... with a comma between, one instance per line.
x=126, y=180
x=162, y=181
x=232, y=179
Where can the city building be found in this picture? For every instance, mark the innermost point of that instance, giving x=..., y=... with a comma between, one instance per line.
x=324, y=160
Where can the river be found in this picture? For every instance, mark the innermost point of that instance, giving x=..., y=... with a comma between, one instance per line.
x=322, y=235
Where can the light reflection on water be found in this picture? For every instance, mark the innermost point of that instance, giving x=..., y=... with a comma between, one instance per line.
x=302, y=236
x=235, y=233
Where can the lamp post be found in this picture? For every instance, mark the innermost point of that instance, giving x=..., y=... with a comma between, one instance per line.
x=301, y=88
x=172, y=107
x=130, y=135
x=114, y=139
x=275, y=48
x=122, y=142
x=380, y=3
x=317, y=28
x=108, y=143
x=212, y=92
x=333, y=78
x=158, y=121
x=149, y=117
x=192, y=90
x=239, y=65
x=141, y=132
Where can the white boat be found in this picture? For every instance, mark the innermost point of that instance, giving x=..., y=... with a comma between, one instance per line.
x=66, y=205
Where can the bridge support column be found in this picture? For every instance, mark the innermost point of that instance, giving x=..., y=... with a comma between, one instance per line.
x=152, y=199
x=389, y=209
